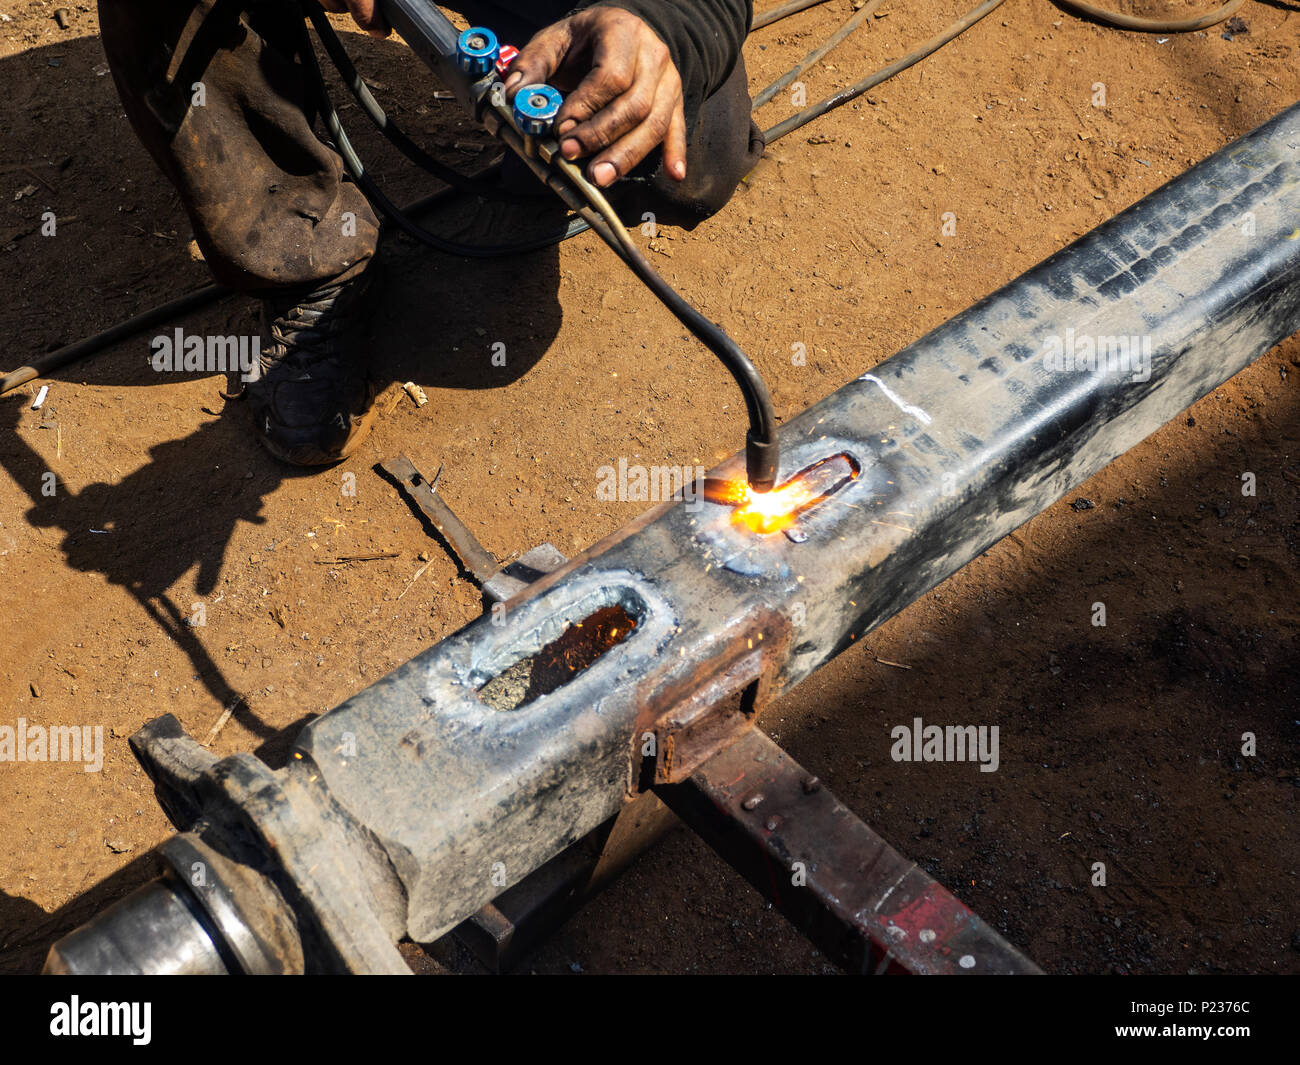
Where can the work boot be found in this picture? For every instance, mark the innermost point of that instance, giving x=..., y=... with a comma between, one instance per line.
x=311, y=402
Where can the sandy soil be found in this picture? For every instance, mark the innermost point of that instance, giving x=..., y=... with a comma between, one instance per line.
x=1119, y=744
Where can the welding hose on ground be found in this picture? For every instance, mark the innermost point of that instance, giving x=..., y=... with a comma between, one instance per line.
x=1155, y=25
x=838, y=99
x=842, y=97
x=782, y=12
x=817, y=54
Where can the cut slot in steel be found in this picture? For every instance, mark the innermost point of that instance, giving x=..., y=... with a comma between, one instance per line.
x=779, y=509
x=559, y=661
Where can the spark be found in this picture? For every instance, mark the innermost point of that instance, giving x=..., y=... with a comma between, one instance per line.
x=774, y=511
x=769, y=512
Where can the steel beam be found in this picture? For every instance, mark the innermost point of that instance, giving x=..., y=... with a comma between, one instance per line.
x=504, y=930
x=960, y=438
x=434, y=799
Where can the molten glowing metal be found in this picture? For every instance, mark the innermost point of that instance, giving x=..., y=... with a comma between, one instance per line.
x=774, y=511
x=769, y=512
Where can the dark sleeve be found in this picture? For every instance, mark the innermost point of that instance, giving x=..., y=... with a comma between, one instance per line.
x=703, y=36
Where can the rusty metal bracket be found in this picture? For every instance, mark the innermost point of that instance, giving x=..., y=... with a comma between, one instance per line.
x=866, y=906
x=717, y=713
x=469, y=552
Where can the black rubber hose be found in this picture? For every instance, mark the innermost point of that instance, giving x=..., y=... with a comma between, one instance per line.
x=1156, y=25
x=842, y=97
x=822, y=50
x=173, y=309
x=762, y=451
x=356, y=168
x=784, y=11
x=393, y=133
x=762, y=454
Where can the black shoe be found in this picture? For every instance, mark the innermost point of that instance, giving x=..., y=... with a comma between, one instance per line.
x=311, y=403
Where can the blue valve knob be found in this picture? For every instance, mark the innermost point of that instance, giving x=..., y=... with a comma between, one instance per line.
x=476, y=51
x=535, y=108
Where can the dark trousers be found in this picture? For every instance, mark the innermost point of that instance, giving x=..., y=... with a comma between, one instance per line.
x=268, y=200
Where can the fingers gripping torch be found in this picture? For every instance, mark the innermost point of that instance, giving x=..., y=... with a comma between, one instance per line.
x=472, y=64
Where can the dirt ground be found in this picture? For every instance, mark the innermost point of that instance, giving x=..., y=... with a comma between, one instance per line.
x=1118, y=744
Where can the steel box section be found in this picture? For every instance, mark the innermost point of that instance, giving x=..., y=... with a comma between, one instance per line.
x=960, y=439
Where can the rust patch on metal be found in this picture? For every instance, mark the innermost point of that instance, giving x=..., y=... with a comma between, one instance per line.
x=703, y=707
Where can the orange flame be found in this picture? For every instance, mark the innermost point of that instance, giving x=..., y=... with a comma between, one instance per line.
x=774, y=511
x=769, y=512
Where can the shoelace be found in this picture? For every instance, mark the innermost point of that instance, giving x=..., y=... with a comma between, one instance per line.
x=307, y=329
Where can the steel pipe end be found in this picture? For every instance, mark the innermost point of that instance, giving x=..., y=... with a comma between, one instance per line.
x=208, y=915
x=155, y=931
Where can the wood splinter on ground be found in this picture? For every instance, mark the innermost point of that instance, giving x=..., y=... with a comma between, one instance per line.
x=896, y=665
x=221, y=721
x=418, y=574
x=344, y=560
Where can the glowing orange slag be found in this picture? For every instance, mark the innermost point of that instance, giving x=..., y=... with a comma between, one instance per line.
x=774, y=511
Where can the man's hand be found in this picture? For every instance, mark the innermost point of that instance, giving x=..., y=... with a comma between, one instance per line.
x=626, y=94
x=365, y=13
